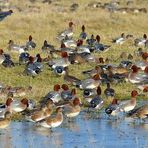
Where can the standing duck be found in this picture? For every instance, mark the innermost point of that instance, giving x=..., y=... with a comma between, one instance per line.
x=30, y=44
x=140, y=41
x=83, y=34
x=52, y=122
x=15, y=48
x=68, y=32
x=97, y=102
x=109, y=92
x=4, y=122
x=126, y=106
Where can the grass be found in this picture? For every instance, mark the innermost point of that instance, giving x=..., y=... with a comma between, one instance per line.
x=44, y=21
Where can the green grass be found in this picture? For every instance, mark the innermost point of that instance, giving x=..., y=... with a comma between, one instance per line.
x=49, y=20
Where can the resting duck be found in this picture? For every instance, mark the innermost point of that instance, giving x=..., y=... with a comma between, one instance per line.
x=96, y=102
x=100, y=47
x=143, y=87
x=52, y=122
x=68, y=32
x=73, y=108
x=83, y=34
x=140, y=112
x=90, y=83
x=67, y=94
x=126, y=106
x=109, y=92
x=2, y=56
x=91, y=41
x=71, y=79
x=24, y=58
x=4, y=122
x=47, y=47
x=113, y=109
x=120, y=40
x=60, y=62
x=54, y=95
x=142, y=64
x=69, y=43
x=16, y=105
x=30, y=44
x=41, y=113
x=67, y=49
x=136, y=77
x=140, y=41
x=5, y=14
x=88, y=94
x=15, y=48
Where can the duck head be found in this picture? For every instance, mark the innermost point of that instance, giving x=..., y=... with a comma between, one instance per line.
x=145, y=36
x=83, y=28
x=63, y=45
x=10, y=11
x=146, y=70
x=30, y=38
x=135, y=69
x=96, y=77
x=73, y=91
x=39, y=59
x=76, y=101
x=99, y=90
x=134, y=93
x=122, y=35
x=9, y=101
x=59, y=110
x=71, y=24
x=25, y=102
x=64, y=55
x=98, y=38
x=145, y=55
x=56, y=87
x=115, y=101
x=65, y=87
x=11, y=42
x=79, y=42
x=1, y=51
x=31, y=59
x=101, y=60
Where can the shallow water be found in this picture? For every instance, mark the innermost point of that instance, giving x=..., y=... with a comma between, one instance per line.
x=84, y=131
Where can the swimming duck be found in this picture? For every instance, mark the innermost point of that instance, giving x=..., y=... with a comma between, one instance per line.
x=68, y=32
x=53, y=121
x=30, y=44
x=100, y=47
x=140, y=41
x=83, y=34
x=16, y=105
x=41, y=113
x=140, y=112
x=126, y=106
x=113, y=109
x=54, y=95
x=24, y=58
x=2, y=56
x=15, y=48
x=109, y=92
x=73, y=108
x=4, y=122
x=97, y=102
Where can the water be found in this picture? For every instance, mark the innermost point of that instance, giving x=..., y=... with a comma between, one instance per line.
x=82, y=132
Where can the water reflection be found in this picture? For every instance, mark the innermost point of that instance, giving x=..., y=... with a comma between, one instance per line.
x=84, y=131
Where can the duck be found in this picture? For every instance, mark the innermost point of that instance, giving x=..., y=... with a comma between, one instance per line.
x=128, y=105
x=90, y=83
x=109, y=92
x=113, y=109
x=15, y=48
x=4, y=14
x=30, y=44
x=143, y=87
x=16, y=105
x=2, y=56
x=60, y=62
x=24, y=58
x=143, y=63
x=120, y=40
x=100, y=47
x=140, y=112
x=54, y=95
x=71, y=79
x=96, y=102
x=67, y=94
x=140, y=41
x=91, y=41
x=47, y=47
x=68, y=32
x=65, y=46
x=135, y=77
x=53, y=121
x=72, y=109
x=69, y=43
x=83, y=34
x=41, y=113
x=5, y=122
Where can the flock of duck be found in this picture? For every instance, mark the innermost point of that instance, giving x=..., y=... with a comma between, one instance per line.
x=64, y=101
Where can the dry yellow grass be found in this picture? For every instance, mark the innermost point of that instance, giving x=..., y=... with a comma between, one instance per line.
x=44, y=21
